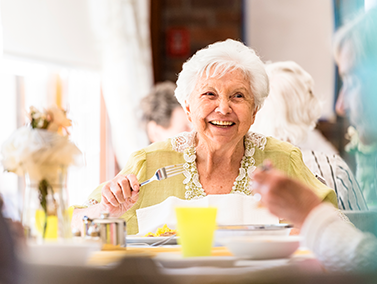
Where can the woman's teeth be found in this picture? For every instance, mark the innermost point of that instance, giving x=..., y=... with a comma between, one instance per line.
x=222, y=123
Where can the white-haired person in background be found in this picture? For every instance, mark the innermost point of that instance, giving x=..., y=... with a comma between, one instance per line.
x=221, y=89
x=291, y=110
x=290, y=113
x=338, y=245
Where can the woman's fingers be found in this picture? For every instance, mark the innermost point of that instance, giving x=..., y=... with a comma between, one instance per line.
x=119, y=189
x=128, y=184
x=125, y=189
x=133, y=182
x=108, y=196
x=262, y=180
x=113, y=191
x=283, y=196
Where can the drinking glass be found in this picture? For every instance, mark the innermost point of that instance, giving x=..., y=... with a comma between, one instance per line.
x=196, y=226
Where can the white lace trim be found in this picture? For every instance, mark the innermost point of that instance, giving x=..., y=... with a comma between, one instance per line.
x=183, y=140
x=185, y=143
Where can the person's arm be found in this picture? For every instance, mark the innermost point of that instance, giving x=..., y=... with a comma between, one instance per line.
x=115, y=196
x=300, y=172
x=94, y=211
x=337, y=244
x=349, y=193
x=339, y=177
x=284, y=197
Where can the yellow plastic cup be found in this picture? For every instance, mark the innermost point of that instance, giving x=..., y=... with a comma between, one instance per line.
x=196, y=227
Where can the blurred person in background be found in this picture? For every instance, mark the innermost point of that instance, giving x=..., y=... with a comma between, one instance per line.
x=361, y=145
x=9, y=264
x=290, y=113
x=162, y=115
x=338, y=245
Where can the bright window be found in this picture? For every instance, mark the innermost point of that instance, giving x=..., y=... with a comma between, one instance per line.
x=25, y=83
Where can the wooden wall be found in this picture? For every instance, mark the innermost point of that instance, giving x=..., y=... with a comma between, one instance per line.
x=201, y=21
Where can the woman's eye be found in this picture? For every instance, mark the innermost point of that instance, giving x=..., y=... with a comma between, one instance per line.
x=239, y=95
x=209, y=94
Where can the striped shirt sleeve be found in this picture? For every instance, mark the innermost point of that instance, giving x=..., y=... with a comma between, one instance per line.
x=338, y=176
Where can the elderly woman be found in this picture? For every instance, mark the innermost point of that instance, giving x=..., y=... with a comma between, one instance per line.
x=221, y=89
x=163, y=116
x=290, y=113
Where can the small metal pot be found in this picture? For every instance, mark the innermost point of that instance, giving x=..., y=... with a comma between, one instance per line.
x=110, y=230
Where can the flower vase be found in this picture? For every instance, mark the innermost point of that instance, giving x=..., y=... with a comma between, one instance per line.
x=45, y=206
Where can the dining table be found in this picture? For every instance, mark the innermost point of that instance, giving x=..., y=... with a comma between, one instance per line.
x=220, y=267
x=143, y=265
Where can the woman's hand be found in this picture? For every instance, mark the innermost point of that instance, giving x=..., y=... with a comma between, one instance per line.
x=119, y=194
x=284, y=197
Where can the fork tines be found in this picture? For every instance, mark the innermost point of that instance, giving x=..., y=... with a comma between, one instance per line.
x=174, y=170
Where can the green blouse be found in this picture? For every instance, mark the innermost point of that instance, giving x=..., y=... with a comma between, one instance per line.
x=180, y=149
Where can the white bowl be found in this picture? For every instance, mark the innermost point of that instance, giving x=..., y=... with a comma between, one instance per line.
x=225, y=231
x=60, y=253
x=261, y=247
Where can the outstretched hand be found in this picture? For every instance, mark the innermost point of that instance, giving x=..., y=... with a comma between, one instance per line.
x=283, y=196
x=119, y=194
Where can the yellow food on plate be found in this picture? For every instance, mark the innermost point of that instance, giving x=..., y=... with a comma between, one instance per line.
x=165, y=231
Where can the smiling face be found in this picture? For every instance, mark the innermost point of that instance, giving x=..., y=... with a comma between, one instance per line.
x=222, y=109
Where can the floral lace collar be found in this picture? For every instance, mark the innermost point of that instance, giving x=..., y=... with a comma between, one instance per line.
x=185, y=143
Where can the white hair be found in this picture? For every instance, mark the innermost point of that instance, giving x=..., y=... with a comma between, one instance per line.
x=215, y=61
x=291, y=109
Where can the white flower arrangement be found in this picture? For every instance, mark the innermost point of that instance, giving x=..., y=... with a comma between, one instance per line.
x=40, y=149
x=41, y=146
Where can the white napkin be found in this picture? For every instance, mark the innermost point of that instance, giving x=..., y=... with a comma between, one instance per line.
x=232, y=209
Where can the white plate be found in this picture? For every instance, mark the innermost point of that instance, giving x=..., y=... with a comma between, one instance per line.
x=133, y=239
x=71, y=253
x=252, y=230
x=261, y=247
x=227, y=231
x=176, y=260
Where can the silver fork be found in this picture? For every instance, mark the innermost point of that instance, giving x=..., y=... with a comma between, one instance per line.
x=162, y=242
x=165, y=172
x=155, y=244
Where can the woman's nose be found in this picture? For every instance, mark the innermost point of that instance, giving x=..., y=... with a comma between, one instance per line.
x=224, y=106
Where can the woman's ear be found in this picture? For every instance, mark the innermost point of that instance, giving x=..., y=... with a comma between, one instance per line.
x=254, y=114
x=187, y=111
